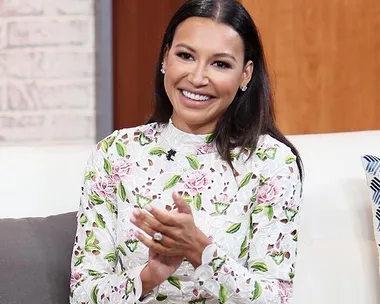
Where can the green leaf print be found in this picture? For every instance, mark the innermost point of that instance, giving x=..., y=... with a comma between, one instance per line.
x=100, y=221
x=131, y=245
x=243, y=247
x=197, y=201
x=193, y=161
x=129, y=286
x=187, y=199
x=290, y=159
x=253, y=198
x=90, y=238
x=90, y=243
x=111, y=257
x=290, y=214
x=95, y=199
x=94, y=273
x=222, y=294
x=111, y=140
x=210, y=138
x=121, y=249
x=257, y=209
x=89, y=175
x=107, y=166
x=157, y=151
x=92, y=247
x=234, y=228
x=121, y=149
x=142, y=201
x=110, y=206
x=143, y=139
x=260, y=154
x=104, y=146
x=268, y=210
x=243, y=252
x=121, y=191
x=172, y=182
x=217, y=263
x=245, y=180
x=161, y=297
x=271, y=153
x=258, y=291
x=295, y=238
x=278, y=257
x=94, y=294
x=251, y=228
x=175, y=282
x=234, y=155
x=79, y=260
x=291, y=275
x=220, y=208
x=260, y=266
x=262, y=180
x=83, y=219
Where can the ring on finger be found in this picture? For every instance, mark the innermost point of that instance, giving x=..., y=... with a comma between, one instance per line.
x=157, y=236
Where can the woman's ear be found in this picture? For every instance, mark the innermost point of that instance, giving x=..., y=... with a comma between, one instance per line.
x=165, y=57
x=247, y=73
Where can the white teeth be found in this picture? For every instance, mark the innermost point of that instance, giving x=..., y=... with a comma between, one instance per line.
x=195, y=96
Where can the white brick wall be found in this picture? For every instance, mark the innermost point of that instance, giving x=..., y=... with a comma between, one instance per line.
x=47, y=71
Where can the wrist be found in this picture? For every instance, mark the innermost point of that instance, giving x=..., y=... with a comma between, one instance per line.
x=195, y=256
x=149, y=281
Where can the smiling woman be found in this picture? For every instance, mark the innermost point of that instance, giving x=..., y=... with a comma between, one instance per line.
x=202, y=205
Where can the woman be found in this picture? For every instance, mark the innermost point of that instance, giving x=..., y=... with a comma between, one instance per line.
x=200, y=206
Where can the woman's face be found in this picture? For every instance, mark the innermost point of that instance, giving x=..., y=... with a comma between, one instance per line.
x=204, y=70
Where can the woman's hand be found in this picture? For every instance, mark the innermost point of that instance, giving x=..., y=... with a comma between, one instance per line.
x=180, y=236
x=159, y=266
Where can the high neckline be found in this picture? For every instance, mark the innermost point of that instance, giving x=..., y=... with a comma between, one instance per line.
x=183, y=139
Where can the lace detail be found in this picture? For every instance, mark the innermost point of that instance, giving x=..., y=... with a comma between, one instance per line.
x=251, y=215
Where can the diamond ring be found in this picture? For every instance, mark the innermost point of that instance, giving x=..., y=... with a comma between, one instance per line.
x=157, y=236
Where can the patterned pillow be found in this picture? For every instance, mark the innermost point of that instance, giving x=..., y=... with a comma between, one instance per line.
x=371, y=165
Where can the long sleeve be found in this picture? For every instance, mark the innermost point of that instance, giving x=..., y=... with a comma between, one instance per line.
x=94, y=278
x=270, y=245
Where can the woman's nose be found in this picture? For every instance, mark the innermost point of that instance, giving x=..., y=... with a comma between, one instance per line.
x=198, y=77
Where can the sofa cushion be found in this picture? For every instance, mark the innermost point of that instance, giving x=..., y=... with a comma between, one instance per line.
x=371, y=165
x=35, y=258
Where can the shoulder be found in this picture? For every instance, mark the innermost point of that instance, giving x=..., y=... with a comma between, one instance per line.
x=142, y=135
x=271, y=151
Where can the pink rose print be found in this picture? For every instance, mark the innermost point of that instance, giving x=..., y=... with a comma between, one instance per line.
x=75, y=278
x=104, y=187
x=149, y=133
x=267, y=193
x=121, y=168
x=204, y=149
x=196, y=181
x=286, y=290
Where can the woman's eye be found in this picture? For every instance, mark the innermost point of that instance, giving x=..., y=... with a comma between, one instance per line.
x=185, y=56
x=221, y=64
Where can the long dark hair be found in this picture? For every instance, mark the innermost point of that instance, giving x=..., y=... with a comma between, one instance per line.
x=251, y=113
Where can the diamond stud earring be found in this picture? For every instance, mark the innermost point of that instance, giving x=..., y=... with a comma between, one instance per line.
x=244, y=88
x=162, y=69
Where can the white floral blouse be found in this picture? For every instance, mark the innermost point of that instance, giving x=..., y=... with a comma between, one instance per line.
x=251, y=215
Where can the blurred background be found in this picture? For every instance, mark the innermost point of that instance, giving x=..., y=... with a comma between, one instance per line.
x=71, y=71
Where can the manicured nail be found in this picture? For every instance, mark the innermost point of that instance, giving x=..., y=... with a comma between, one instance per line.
x=136, y=212
x=148, y=208
x=136, y=233
x=176, y=195
x=132, y=218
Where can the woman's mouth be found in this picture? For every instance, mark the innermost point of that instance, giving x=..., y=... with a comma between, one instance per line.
x=195, y=97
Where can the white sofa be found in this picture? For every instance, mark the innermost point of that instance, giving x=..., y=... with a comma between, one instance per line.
x=337, y=261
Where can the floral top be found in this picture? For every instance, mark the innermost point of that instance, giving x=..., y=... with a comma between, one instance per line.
x=250, y=214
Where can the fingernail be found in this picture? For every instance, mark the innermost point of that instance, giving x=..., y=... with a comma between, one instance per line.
x=148, y=208
x=176, y=195
x=132, y=218
x=136, y=233
x=136, y=212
